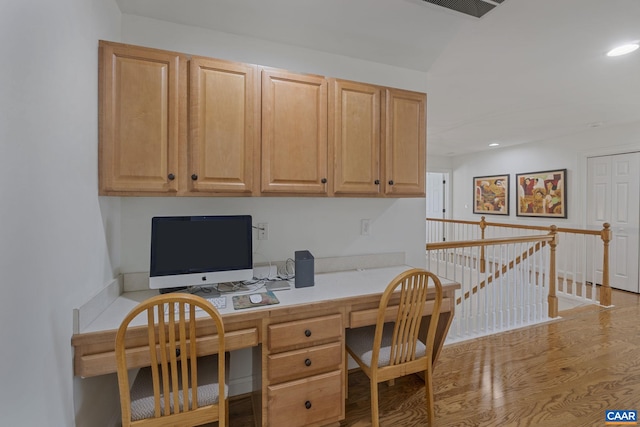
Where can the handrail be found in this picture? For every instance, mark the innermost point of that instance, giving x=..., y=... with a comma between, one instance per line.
x=505, y=268
x=488, y=242
x=520, y=226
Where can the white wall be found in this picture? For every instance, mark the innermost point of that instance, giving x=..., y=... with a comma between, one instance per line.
x=198, y=41
x=437, y=163
x=324, y=226
x=563, y=153
x=54, y=231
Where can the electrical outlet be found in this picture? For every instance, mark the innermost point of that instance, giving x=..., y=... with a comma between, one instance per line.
x=365, y=227
x=263, y=231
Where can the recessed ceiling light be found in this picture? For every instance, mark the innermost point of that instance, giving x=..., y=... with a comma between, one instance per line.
x=623, y=49
x=494, y=144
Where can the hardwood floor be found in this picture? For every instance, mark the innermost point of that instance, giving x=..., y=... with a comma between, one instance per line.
x=564, y=373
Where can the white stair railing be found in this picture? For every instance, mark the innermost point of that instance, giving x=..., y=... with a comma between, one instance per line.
x=506, y=283
x=582, y=255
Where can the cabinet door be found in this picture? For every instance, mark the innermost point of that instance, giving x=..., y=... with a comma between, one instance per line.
x=354, y=137
x=294, y=133
x=405, y=143
x=141, y=98
x=224, y=134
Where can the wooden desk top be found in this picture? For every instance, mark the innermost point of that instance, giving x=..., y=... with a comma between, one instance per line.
x=329, y=287
x=346, y=291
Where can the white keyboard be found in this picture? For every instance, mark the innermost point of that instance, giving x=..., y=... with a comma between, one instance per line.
x=217, y=302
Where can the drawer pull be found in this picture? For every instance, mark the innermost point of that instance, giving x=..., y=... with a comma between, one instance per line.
x=307, y=332
x=307, y=404
x=307, y=362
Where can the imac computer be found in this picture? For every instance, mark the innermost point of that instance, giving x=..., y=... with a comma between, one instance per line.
x=200, y=250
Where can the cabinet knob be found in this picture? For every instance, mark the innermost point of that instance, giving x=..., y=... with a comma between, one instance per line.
x=307, y=362
x=376, y=182
x=323, y=180
x=307, y=333
x=307, y=404
x=390, y=182
x=194, y=177
x=171, y=177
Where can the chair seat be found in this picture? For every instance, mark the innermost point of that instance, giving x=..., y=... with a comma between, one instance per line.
x=142, y=401
x=360, y=342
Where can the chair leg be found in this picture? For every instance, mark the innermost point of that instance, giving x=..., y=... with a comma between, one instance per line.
x=428, y=389
x=375, y=422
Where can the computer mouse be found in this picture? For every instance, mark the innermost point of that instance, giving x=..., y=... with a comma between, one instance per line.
x=255, y=298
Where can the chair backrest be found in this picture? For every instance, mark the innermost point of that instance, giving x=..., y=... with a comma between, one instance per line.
x=170, y=336
x=413, y=287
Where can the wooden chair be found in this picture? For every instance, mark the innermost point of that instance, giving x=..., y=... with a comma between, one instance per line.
x=175, y=388
x=396, y=346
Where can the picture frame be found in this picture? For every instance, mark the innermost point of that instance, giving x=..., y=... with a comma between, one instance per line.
x=491, y=195
x=542, y=194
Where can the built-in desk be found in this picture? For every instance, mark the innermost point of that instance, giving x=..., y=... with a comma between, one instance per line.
x=298, y=343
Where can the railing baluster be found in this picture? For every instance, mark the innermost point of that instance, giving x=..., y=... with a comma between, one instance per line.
x=561, y=267
x=590, y=246
x=479, y=298
x=605, y=291
x=525, y=277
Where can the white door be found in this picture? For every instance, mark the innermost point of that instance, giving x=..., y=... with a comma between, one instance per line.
x=436, y=199
x=435, y=195
x=613, y=197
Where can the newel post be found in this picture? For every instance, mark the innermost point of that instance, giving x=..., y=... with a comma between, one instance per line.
x=483, y=225
x=605, y=291
x=553, y=299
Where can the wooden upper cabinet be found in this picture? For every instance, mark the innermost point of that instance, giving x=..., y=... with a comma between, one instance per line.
x=405, y=143
x=224, y=114
x=232, y=129
x=354, y=137
x=142, y=95
x=294, y=133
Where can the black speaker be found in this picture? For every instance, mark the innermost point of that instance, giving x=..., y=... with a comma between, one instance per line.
x=304, y=269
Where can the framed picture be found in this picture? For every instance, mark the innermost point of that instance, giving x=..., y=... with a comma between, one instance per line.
x=491, y=195
x=542, y=194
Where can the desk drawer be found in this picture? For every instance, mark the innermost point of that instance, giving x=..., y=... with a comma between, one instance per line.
x=304, y=332
x=304, y=363
x=361, y=318
x=307, y=401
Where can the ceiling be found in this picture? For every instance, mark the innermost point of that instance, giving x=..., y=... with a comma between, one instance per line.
x=526, y=71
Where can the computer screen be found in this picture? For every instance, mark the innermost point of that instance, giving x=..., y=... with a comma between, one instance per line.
x=200, y=250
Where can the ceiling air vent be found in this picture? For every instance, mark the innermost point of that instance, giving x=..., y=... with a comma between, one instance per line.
x=475, y=8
